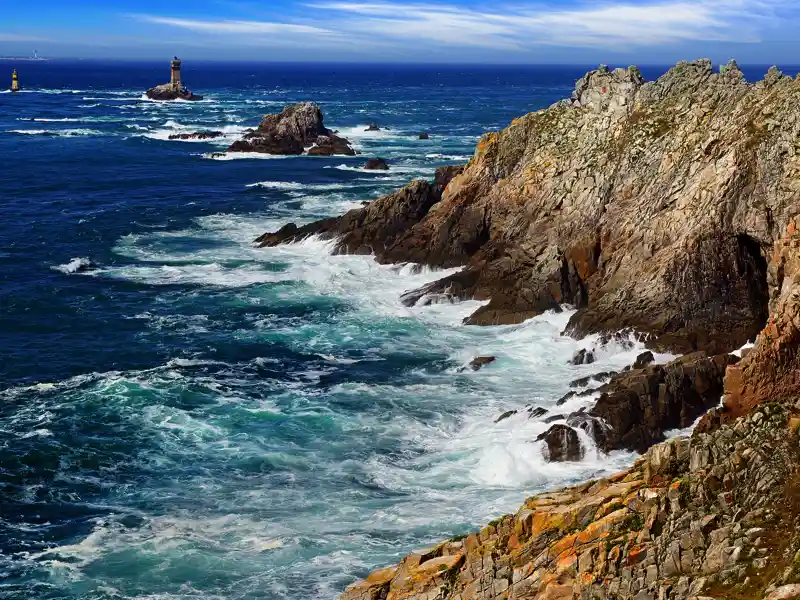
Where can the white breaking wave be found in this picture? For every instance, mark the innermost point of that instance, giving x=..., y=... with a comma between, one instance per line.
x=57, y=132
x=243, y=156
x=76, y=265
x=449, y=156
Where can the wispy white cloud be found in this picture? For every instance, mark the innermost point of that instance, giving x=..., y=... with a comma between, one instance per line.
x=400, y=24
x=596, y=24
x=13, y=37
x=227, y=27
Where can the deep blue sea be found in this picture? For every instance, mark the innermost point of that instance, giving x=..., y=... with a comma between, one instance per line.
x=191, y=417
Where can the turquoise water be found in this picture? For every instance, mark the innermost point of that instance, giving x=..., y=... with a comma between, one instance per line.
x=191, y=417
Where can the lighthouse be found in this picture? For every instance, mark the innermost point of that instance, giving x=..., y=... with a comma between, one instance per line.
x=175, y=73
x=14, y=81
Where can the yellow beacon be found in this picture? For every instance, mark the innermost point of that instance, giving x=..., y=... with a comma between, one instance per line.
x=14, y=81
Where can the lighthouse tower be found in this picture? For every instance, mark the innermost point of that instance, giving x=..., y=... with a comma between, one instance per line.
x=175, y=77
x=14, y=81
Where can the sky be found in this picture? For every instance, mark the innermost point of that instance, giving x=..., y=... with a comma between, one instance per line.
x=430, y=31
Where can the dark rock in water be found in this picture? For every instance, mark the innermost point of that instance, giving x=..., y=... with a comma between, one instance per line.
x=584, y=381
x=424, y=136
x=639, y=405
x=373, y=127
x=376, y=164
x=199, y=135
x=534, y=413
x=505, y=415
x=480, y=362
x=582, y=357
x=644, y=359
x=330, y=145
x=552, y=418
x=592, y=425
x=561, y=444
x=565, y=397
x=291, y=131
x=376, y=228
x=168, y=91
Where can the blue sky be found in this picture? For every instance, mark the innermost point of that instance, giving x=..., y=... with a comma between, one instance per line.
x=564, y=31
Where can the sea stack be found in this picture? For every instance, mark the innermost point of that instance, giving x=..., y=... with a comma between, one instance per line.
x=174, y=90
x=14, y=81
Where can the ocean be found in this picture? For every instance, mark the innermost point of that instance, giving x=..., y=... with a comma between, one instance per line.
x=184, y=416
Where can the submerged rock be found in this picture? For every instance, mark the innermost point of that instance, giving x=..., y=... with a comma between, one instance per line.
x=561, y=444
x=292, y=131
x=376, y=164
x=506, y=415
x=481, y=361
x=372, y=127
x=424, y=136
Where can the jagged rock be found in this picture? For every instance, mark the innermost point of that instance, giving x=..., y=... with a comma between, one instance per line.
x=582, y=357
x=424, y=135
x=644, y=359
x=536, y=412
x=647, y=206
x=376, y=227
x=376, y=164
x=199, y=135
x=639, y=405
x=294, y=129
x=372, y=127
x=561, y=443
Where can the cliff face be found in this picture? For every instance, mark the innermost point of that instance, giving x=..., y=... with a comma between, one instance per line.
x=650, y=206
x=712, y=517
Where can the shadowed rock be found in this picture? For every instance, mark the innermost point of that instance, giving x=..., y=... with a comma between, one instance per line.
x=561, y=443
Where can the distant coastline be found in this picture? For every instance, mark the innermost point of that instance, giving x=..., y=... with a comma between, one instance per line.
x=5, y=58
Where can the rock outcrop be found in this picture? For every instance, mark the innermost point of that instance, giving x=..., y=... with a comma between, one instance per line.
x=169, y=91
x=650, y=206
x=715, y=516
x=376, y=227
x=376, y=164
x=296, y=129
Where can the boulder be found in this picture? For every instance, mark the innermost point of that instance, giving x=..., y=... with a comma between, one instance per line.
x=376, y=164
x=644, y=359
x=296, y=128
x=561, y=444
x=424, y=135
x=373, y=127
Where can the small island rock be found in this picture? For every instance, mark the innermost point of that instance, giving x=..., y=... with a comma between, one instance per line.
x=376, y=164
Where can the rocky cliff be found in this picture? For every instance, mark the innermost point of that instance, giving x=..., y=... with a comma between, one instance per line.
x=651, y=206
x=711, y=517
x=668, y=208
